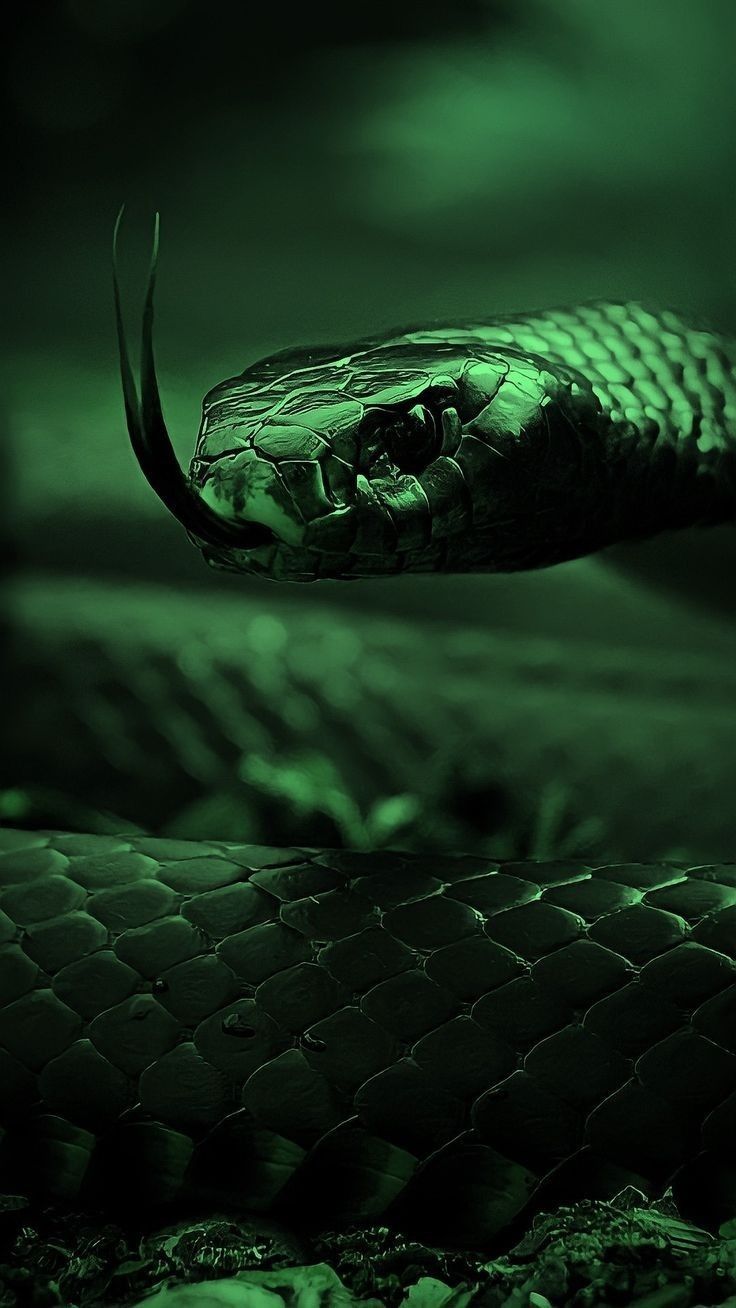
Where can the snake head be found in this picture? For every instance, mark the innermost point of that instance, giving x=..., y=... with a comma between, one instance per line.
x=418, y=452
x=380, y=459
x=327, y=450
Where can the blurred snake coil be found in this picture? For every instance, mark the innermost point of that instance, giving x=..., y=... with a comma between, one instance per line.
x=445, y=1044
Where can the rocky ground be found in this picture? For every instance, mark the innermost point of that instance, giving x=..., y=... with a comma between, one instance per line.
x=593, y=1255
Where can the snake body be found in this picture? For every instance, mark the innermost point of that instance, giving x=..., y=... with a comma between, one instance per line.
x=440, y=1044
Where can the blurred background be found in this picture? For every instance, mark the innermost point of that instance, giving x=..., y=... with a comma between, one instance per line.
x=320, y=177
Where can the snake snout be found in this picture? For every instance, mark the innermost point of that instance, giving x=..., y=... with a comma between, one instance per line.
x=284, y=479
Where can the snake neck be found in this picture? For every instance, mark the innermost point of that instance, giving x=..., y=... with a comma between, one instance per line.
x=637, y=436
x=669, y=451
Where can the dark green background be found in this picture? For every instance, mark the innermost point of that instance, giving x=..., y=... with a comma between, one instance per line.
x=320, y=176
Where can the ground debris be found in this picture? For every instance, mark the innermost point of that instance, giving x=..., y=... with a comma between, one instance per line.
x=626, y=1253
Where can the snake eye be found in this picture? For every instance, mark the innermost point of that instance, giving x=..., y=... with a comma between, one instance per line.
x=409, y=442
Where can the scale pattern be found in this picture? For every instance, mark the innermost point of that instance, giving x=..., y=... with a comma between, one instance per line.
x=442, y=1043
x=670, y=380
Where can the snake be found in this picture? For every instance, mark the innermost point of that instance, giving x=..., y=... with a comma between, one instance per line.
x=440, y=1044
x=479, y=446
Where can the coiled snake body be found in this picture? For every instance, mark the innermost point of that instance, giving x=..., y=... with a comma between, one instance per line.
x=437, y=1043
x=443, y=1044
